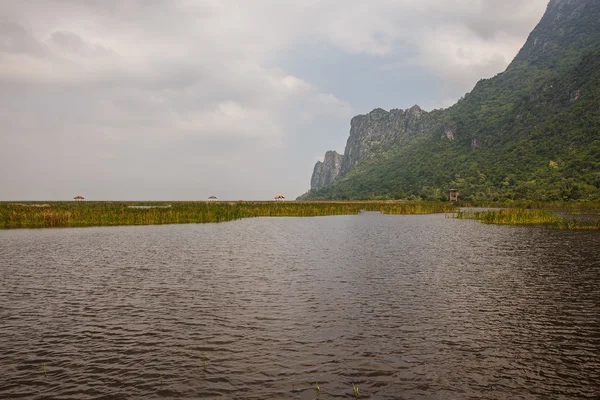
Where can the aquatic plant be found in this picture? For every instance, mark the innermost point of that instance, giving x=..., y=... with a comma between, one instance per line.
x=79, y=214
x=355, y=388
x=527, y=217
x=589, y=207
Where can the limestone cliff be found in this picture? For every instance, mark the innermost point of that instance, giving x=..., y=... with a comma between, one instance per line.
x=327, y=171
x=370, y=134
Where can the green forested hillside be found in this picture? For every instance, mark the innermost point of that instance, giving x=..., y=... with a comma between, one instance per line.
x=532, y=132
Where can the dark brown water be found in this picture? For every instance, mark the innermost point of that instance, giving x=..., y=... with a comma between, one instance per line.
x=405, y=307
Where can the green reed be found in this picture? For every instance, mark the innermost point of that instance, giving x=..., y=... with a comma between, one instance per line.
x=582, y=206
x=527, y=217
x=355, y=388
x=80, y=214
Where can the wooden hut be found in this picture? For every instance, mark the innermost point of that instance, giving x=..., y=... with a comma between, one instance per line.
x=212, y=198
x=279, y=197
x=453, y=195
x=78, y=198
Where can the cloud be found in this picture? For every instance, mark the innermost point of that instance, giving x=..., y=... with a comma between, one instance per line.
x=112, y=83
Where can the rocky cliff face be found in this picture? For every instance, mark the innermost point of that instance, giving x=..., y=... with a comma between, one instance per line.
x=565, y=24
x=327, y=171
x=370, y=134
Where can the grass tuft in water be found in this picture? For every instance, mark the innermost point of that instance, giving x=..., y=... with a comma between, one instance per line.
x=355, y=388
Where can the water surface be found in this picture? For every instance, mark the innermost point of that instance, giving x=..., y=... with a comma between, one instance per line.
x=405, y=307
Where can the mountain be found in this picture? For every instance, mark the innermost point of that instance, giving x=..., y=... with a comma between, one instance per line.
x=531, y=132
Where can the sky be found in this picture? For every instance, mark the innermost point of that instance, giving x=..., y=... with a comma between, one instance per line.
x=184, y=99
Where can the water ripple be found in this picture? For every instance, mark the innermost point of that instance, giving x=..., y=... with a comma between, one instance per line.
x=405, y=307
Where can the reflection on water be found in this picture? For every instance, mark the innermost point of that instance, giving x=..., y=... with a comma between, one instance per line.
x=410, y=307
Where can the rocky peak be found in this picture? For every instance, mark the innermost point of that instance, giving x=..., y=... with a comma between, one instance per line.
x=327, y=171
x=565, y=24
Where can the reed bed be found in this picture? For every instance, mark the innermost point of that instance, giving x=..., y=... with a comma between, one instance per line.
x=573, y=207
x=527, y=217
x=81, y=214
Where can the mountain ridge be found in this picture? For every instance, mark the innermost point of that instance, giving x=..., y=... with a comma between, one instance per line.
x=477, y=145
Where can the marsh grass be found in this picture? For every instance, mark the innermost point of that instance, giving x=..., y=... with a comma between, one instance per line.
x=527, y=217
x=81, y=214
x=355, y=388
x=575, y=207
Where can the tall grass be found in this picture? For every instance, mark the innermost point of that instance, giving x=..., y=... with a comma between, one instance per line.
x=576, y=207
x=80, y=214
x=527, y=217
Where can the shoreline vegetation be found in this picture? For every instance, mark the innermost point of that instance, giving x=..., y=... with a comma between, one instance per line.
x=107, y=213
x=576, y=215
x=562, y=215
x=521, y=216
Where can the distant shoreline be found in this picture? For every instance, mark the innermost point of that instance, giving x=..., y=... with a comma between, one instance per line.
x=72, y=214
x=14, y=215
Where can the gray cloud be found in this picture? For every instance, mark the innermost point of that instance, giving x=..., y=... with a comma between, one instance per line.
x=183, y=99
x=15, y=38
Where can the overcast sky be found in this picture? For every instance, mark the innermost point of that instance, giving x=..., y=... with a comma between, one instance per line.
x=183, y=99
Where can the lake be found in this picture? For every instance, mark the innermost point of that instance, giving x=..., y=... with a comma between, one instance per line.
x=403, y=306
